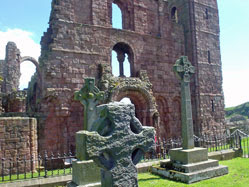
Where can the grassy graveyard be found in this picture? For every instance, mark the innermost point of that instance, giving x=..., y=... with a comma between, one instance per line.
x=238, y=177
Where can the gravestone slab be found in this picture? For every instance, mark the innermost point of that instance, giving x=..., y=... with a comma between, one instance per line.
x=118, y=143
x=85, y=173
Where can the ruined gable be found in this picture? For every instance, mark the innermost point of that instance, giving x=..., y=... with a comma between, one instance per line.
x=80, y=41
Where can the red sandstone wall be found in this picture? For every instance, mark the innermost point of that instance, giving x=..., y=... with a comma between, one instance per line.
x=18, y=138
x=77, y=41
x=76, y=51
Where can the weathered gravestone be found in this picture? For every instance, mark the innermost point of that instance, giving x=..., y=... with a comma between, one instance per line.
x=188, y=164
x=90, y=97
x=117, y=143
x=85, y=171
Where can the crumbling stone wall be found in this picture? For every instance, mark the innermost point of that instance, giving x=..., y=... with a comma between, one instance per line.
x=18, y=139
x=11, y=68
x=15, y=101
x=78, y=41
x=80, y=37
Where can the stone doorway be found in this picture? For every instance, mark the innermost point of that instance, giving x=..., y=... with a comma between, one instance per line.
x=141, y=104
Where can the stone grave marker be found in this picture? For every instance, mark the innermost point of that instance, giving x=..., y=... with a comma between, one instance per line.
x=188, y=164
x=90, y=97
x=85, y=171
x=184, y=70
x=117, y=143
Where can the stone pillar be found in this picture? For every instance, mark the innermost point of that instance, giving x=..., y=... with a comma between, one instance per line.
x=121, y=59
x=184, y=70
x=188, y=164
x=11, y=68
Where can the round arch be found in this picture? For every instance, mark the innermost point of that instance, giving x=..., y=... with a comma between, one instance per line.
x=36, y=87
x=31, y=59
x=121, y=49
x=34, y=61
x=145, y=108
x=126, y=7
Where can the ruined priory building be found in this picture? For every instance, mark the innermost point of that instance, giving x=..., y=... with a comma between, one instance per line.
x=79, y=43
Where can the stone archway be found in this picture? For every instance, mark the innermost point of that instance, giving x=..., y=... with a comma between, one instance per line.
x=137, y=89
x=142, y=104
x=34, y=90
x=34, y=61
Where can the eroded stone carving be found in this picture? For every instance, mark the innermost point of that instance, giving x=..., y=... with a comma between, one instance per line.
x=118, y=143
x=184, y=70
x=90, y=97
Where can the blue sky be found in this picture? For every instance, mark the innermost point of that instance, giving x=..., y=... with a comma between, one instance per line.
x=26, y=20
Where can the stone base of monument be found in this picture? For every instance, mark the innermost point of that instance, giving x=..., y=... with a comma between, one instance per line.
x=85, y=174
x=189, y=166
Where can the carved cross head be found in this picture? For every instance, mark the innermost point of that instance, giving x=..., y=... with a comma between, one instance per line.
x=184, y=69
x=118, y=142
x=89, y=93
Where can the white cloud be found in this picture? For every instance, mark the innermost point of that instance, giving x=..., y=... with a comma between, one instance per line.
x=27, y=46
x=235, y=87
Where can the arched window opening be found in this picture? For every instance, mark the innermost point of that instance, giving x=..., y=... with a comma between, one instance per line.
x=117, y=21
x=115, y=64
x=174, y=15
x=122, y=60
x=27, y=69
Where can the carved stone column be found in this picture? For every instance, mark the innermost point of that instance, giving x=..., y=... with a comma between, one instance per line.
x=121, y=59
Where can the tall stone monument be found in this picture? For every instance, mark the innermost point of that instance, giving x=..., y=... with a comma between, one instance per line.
x=117, y=144
x=188, y=164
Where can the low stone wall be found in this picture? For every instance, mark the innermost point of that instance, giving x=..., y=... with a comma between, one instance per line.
x=225, y=154
x=18, y=139
x=15, y=101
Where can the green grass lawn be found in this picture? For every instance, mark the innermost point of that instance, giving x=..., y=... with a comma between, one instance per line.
x=238, y=177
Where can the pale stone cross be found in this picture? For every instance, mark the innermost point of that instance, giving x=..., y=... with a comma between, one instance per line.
x=184, y=70
x=90, y=97
x=117, y=144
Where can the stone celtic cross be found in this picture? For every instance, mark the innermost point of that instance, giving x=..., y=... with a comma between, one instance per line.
x=184, y=70
x=90, y=97
x=117, y=144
